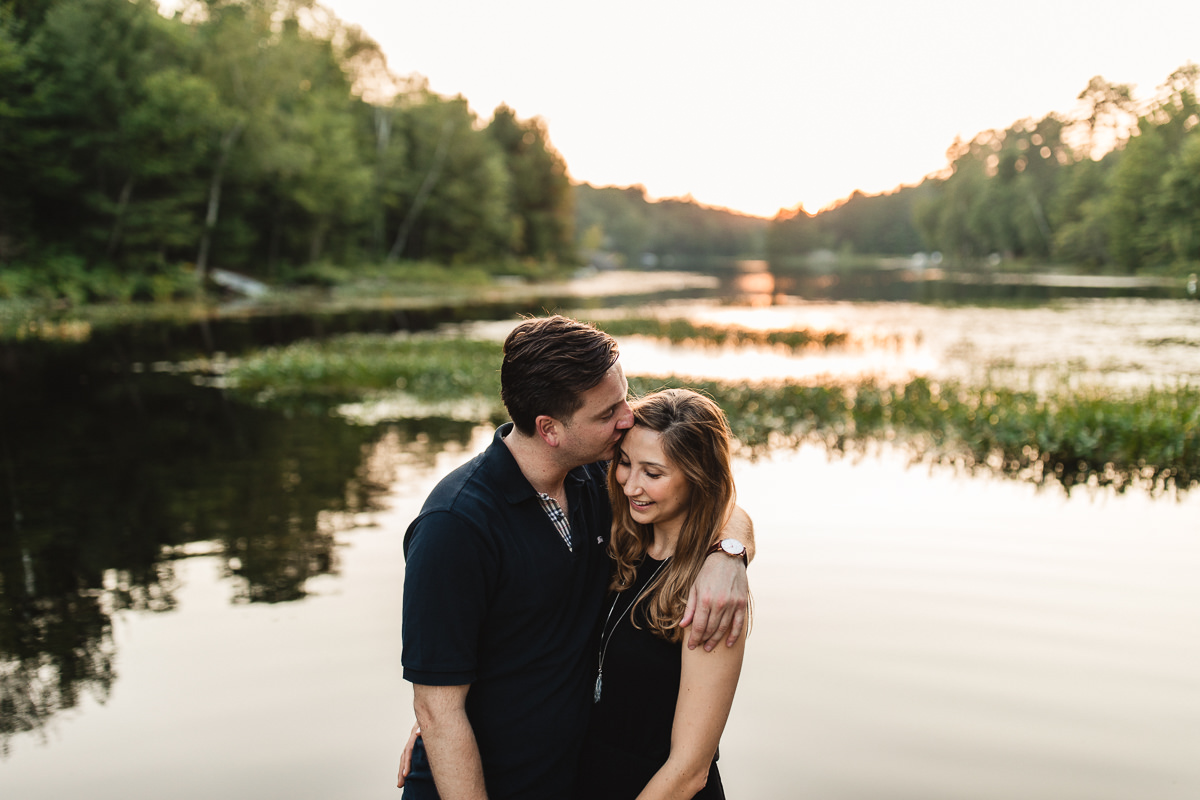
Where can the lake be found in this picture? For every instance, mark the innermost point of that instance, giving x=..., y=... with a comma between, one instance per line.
x=202, y=597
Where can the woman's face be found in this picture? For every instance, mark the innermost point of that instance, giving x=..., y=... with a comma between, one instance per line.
x=657, y=490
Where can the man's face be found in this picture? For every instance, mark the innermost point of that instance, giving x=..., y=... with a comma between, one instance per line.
x=592, y=432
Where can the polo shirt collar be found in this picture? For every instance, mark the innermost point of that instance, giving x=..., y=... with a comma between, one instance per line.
x=511, y=481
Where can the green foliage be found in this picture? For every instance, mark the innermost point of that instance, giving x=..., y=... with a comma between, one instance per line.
x=998, y=196
x=881, y=224
x=1148, y=437
x=65, y=277
x=447, y=195
x=1080, y=214
x=679, y=331
x=793, y=232
x=1024, y=193
x=232, y=135
x=540, y=192
x=622, y=222
x=350, y=366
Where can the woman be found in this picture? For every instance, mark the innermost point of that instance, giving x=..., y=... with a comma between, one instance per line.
x=660, y=708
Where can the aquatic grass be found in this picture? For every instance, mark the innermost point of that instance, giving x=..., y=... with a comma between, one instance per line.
x=1067, y=434
x=679, y=331
x=351, y=366
x=1147, y=437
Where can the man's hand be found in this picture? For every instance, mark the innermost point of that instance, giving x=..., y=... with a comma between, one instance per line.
x=406, y=756
x=717, y=600
x=717, y=603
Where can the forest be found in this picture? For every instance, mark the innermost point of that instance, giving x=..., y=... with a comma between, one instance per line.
x=622, y=226
x=1113, y=187
x=138, y=151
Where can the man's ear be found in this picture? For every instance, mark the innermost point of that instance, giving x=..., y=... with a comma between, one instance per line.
x=549, y=429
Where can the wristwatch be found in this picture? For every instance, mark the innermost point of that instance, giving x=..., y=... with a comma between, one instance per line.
x=730, y=547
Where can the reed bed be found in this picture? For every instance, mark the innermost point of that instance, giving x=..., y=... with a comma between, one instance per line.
x=1145, y=437
x=681, y=331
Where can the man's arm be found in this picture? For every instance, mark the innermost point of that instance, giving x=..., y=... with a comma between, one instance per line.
x=716, y=607
x=449, y=741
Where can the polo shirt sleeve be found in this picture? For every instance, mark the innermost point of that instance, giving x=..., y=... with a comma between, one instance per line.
x=448, y=575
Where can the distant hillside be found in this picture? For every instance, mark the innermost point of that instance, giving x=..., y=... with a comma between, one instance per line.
x=620, y=226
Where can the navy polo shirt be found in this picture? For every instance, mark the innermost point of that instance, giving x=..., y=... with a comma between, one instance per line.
x=493, y=598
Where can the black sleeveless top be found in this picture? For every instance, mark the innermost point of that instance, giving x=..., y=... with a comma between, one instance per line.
x=629, y=732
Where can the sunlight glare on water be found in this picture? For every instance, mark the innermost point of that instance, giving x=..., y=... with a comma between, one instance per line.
x=919, y=634
x=930, y=636
x=1118, y=343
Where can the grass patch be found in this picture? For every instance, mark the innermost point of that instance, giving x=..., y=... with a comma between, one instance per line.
x=360, y=365
x=679, y=331
x=1147, y=437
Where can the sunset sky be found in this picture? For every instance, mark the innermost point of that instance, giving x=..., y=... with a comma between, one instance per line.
x=763, y=104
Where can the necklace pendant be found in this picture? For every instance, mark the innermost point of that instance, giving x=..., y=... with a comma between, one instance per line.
x=596, y=693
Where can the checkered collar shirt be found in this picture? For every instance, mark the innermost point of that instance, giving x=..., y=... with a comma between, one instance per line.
x=555, y=512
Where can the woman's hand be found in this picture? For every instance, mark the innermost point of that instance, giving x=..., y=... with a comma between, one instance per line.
x=406, y=756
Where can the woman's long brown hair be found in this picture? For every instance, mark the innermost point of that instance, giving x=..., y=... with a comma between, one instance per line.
x=695, y=437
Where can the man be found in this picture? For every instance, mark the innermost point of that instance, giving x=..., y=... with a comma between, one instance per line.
x=506, y=571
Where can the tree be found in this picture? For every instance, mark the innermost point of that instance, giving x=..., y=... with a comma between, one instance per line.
x=539, y=191
x=1180, y=201
x=1109, y=114
x=14, y=91
x=114, y=124
x=1080, y=212
x=793, y=232
x=447, y=189
x=1151, y=223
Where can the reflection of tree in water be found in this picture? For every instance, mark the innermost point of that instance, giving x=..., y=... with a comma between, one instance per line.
x=53, y=649
x=108, y=477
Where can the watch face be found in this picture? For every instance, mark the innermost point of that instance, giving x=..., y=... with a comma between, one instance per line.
x=733, y=547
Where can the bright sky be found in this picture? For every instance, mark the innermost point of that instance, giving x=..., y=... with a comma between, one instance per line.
x=759, y=105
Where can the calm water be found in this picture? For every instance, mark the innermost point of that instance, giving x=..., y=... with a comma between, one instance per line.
x=203, y=599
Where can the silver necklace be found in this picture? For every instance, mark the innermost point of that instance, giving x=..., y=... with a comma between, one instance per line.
x=605, y=641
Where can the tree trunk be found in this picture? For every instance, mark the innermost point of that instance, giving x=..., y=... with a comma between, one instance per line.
x=383, y=131
x=427, y=185
x=1040, y=217
x=317, y=242
x=214, y=200
x=114, y=238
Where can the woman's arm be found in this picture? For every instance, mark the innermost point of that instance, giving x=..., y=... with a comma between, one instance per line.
x=706, y=686
x=406, y=756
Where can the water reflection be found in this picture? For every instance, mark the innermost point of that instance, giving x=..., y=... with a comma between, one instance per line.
x=117, y=483
x=754, y=284
x=1117, y=344
x=901, y=280
x=105, y=496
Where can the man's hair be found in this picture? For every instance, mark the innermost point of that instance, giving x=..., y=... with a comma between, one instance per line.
x=549, y=362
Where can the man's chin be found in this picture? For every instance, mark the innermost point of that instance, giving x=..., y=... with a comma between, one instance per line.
x=608, y=454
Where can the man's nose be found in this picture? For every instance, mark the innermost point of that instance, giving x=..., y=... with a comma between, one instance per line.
x=625, y=417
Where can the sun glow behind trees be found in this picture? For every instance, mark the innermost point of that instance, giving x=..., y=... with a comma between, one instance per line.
x=270, y=136
x=764, y=104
